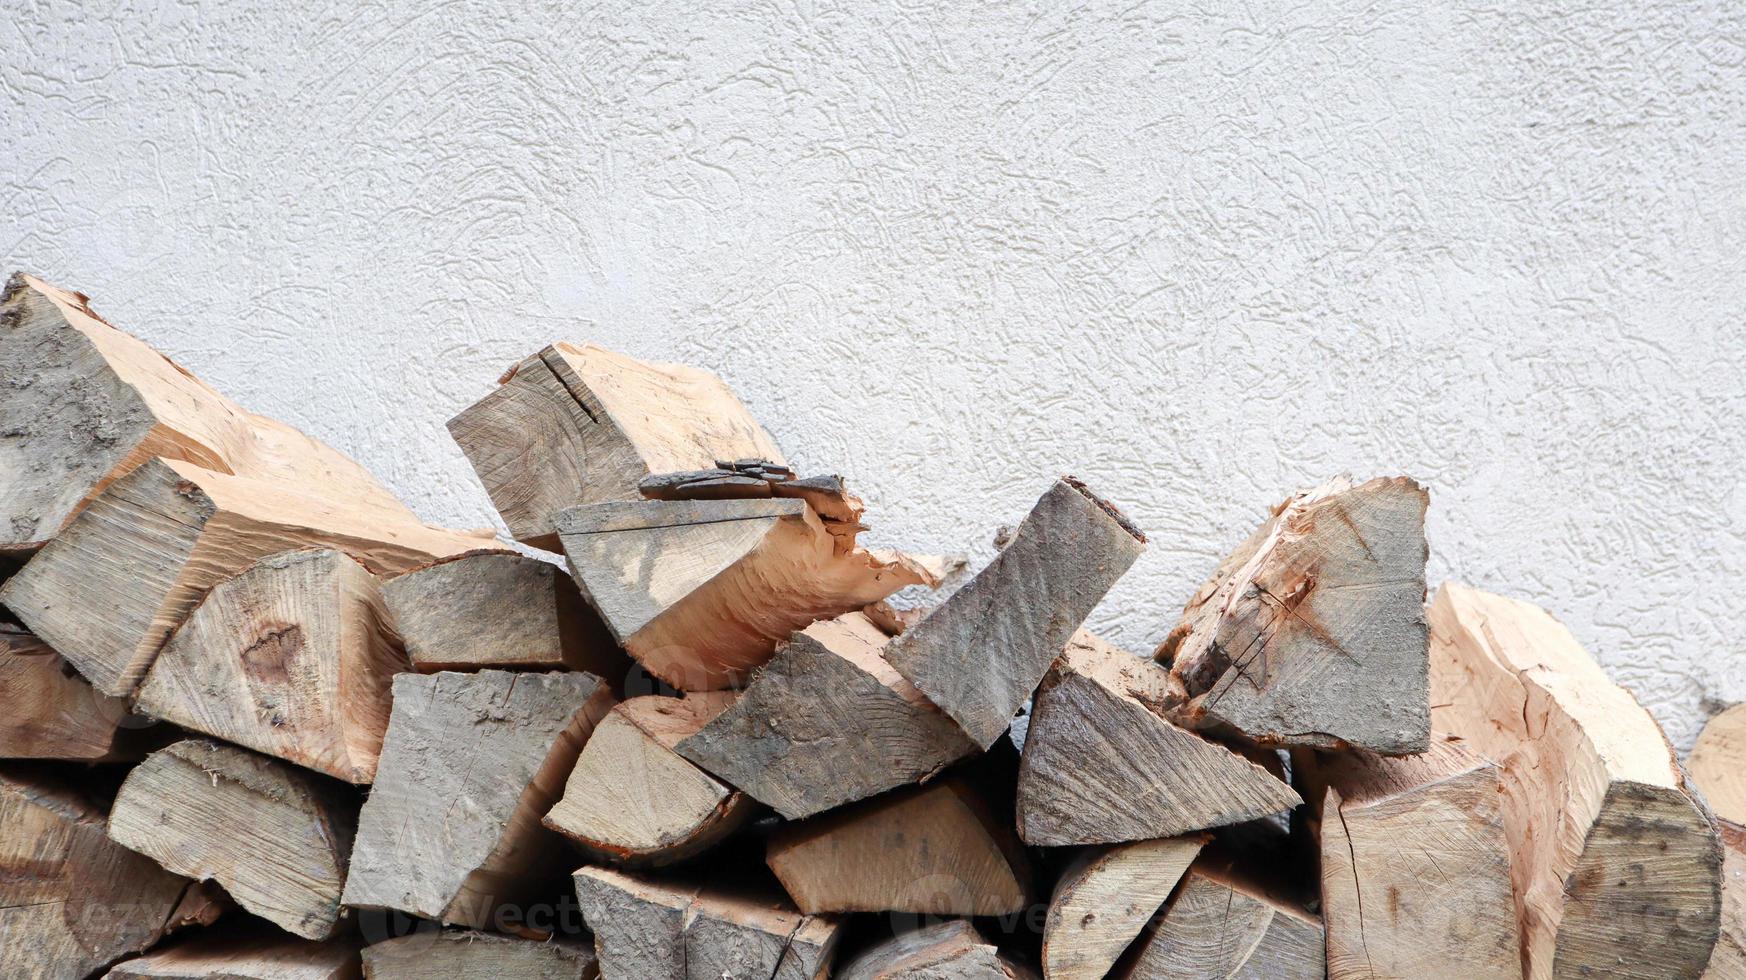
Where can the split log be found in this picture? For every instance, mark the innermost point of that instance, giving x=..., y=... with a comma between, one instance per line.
x=146, y=549
x=951, y=950
x=981, y=653
x=244, y=956
x=463, y=954
x=1728, y=959
x=826, y=722
x=1718, y=764
x=72, y=900
x=293, y=657
x=471, y=762
x=1103, y=900
x=53, y=713
x=739, y=479
x=1313, y=632
x=274, y=836
x=1616, y=867
x=580, y=425
x=1415, y=864
x=1103, y=765
x=1228, y=922
x=937, y=850
x=701, y=592
x=632, y=800
x=499, y=609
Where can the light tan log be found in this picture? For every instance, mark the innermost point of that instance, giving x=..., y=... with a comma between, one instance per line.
x=293, y=657
x=981, y=653
x=700, y=592
x=471, y=762
x=1313, y=633
x=1103, y=765
x=582, y=424
x=951, y=950
x=1415, y=864
x=1728, y=959
x=632, y=800
x=154, y=541
x=1616, y=867
x=1103, y=900
x=463, y=954
x=1227, y=922
x=53, y=713
x=1718, y=764
x=826, y=722
x=937, y=849
x=238, y=953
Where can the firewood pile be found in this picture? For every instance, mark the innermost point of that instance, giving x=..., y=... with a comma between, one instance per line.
x=262, y=722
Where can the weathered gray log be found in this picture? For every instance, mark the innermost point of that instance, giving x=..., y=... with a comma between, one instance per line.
x=239, y=953
x=1728, y=959
x=951, y=950
x=464, y=954
x=1103, y=900
x=1225, y=922
x=53, y=713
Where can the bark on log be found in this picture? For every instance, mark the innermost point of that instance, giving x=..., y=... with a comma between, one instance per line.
x=463, y=954
x=1225, y=922
x=53, y=713
x=951, y=950
x=1728, y=959
x=244, y=956
x=1718, y=764
x=1105, y=898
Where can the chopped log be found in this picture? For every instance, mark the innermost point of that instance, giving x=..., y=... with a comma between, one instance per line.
x=72, y=900
x=463, y=954
x=146, y=549
x=951, y=950
x=936, y=850
x=1616, y=867
x=499, y=609
x=472, y=761
x=701, y=592
x=293, y=657
x=1415, y=864
x=1103, y=900
x=1313, y=632
x=1718, y=764
x=1103, y=765
x=274, y=836
x=826, y=722
x=632, y=800
x=827, y=495
x=1728, y=959
x=248, y=955
x=1228, y=922
x=53, y=713
x=580, y=425
x=981, y=653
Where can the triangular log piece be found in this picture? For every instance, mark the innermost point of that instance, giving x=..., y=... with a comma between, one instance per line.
x=1313, y=632
x=1415, y=864
x=145, y=550
x=1718, y=764
x=937, y=849
x=471, y=762
x=1103, y=765
x=1616, y=867
x=701, y=591
x=1227, y=922
x=248, y=955
x=951, y=950
x=582, y=424
x=981, y=653
x=276, y=837
x=1103, y=900
x=53, y=713
x=632, y=800
x=293, y=658
x=1728, y=959
x=499, y=609
x=464, y=954
x=826, y=722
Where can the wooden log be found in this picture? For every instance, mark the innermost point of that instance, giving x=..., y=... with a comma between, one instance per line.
x=581, y=424
x=1616, y=867
x=936, y=850
x=1313, y=632
x=1415, y=864
x=155, y=540
x=826, y=722
x=1728, y=959
x=700, y=592
x=53, y=713
x=293, y=657
x=473, y=761
x=950, y=950
x=1103, y=900
x=244, y=955
x=632, y=800
x=1718, y=764
x=1226, y=921
x=464, y=954
x=981, y=653
x=499, y=609
x=1103, y=765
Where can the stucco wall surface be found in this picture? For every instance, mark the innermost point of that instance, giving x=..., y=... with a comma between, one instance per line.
x=1198, y=254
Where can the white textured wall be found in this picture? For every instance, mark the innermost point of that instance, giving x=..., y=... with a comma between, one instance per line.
x=1198, y=254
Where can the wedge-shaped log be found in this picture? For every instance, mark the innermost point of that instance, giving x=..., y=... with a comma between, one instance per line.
x=1103, y=900
x=1728, y=959
x=1227, y=922
x=937, y=849
x=471, y=762
x=1103, y=765
x=632, y=800
x=1616, y=867
x=1718, y=764
x=146, y=549
x=293, y=657
x=1415, y=864
x=581, y=424
x=1313, y=632
x=702, y=591
x=951, y=950
x=826, y=722
x=463, y=954
x=53, y=713
x=244, y=955
x=981, y=653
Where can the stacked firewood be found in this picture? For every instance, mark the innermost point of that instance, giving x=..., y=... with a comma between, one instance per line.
x=261, y=722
